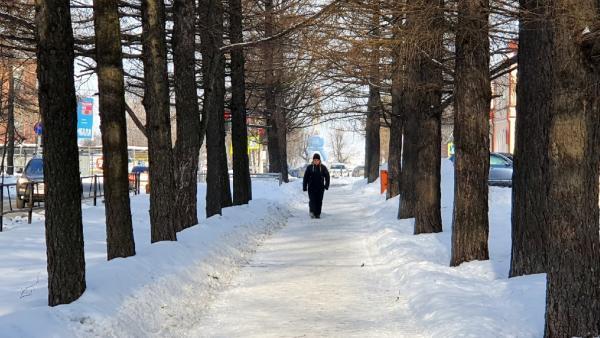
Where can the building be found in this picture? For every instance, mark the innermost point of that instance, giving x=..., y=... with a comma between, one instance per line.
x=22, y=75
x=503, y=111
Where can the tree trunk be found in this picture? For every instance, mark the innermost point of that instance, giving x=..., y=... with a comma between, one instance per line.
x=218, y=194
x=409, y=142
x=242, y=185
x=372, y=142
x=470, y=224
x=409, y=116
x=119, y=229
x=57, y=102
x=10, y=122
x=156, y=103
x=428, y=217
x=271, y=94
x=395, y=146
x=187, y=145
x=530, y=177
x=573, y=277
x=372, y=150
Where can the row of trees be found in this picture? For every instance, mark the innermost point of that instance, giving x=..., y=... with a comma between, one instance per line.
x=405, y=63
x=130, y=47
x=442, y=57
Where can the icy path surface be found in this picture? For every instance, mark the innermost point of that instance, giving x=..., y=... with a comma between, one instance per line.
x=314, y=278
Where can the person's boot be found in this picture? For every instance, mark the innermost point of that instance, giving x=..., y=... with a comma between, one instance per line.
x=312, y=215
x=317, y=216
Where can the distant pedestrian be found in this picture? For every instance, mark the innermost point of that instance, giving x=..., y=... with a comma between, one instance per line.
x=316, y=181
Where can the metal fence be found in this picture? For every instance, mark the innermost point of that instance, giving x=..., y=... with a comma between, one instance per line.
x=32, y=194
x=92, y=188
x=265, y=176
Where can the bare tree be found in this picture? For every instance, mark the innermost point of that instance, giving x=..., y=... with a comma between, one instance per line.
x=573, y=277
x=64, y=229
x=339, y=146
x=189, y=129
x=470, y=224
x=119, y=229
x=156, y=103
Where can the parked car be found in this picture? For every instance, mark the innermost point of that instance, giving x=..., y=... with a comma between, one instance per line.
x=33, y=176
x=507, y=155
x=339, y=170
x=501, y=170
x=358, y=171
x=143, y=173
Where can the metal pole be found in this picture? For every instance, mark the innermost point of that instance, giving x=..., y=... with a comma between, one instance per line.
x=30, y=213
x=95, y=188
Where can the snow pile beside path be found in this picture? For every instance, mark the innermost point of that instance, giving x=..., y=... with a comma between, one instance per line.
x=475, y=299
x=159, y=292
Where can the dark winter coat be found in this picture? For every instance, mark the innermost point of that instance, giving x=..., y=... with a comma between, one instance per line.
x=316, y=178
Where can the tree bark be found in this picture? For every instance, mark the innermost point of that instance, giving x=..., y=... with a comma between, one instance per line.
x=57, y=102
x=10, y=122
x=573, y=277
x=395, y=146
x=218, y=194
x=372, y=150
x=187, y=145
x=156, y=103
x=470, y=224
x=530, y=175
x=242, y=185
x=410, y=115
x=271, y=94
x=119, y=229
x=410, y=137
x=372, y=141
x=428, y=217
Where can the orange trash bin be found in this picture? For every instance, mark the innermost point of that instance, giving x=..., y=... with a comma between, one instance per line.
x=383, y=178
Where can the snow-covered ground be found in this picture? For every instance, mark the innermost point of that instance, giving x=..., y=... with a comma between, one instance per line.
x=359, y=272
x=267, y=270
x=159, y=292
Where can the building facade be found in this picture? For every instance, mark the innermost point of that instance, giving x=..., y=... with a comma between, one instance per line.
x=503, y=111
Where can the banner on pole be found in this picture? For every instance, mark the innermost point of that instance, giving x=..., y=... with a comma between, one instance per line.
x=85, y=118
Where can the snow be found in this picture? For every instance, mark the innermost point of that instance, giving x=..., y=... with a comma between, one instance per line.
x=268, y=270
x=152, y=293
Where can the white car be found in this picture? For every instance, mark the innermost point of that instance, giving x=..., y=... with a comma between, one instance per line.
x=339, y=170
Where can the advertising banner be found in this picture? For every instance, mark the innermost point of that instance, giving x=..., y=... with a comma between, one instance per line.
x=85, y=118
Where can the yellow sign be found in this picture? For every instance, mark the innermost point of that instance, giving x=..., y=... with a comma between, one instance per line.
x=253, y=143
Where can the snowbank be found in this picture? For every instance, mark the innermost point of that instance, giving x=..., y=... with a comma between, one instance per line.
x=158, y=292
x=475, y=299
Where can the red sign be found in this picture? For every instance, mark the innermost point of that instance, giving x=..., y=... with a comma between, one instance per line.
x=227, y=115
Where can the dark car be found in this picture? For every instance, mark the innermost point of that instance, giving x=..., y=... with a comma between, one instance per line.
x=507, y=155
x=501, y=169
x=33, y=176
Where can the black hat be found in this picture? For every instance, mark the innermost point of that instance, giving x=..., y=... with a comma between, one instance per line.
x=316, y=157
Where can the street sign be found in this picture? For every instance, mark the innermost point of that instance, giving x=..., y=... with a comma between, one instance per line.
x=85, y=118
x=38, y=128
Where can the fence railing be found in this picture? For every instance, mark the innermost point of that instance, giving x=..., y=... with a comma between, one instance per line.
x=264, y=176
x=31, y=194
x=92, y=187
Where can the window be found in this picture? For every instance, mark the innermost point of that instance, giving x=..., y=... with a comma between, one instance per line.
x=497, y=161
x=35, y=168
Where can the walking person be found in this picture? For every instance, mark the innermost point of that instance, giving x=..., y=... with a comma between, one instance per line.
x=316, y=181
